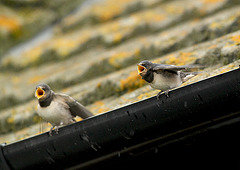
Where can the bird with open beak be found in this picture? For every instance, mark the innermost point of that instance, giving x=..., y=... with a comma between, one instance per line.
x=162, y=76
x=58, y=109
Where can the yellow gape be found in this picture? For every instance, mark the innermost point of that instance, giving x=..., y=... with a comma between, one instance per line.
x=39, y=93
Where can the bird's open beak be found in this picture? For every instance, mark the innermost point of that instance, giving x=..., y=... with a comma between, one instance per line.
x=39, y=93
x=140, y=69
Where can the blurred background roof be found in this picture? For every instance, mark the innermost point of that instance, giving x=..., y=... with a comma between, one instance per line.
x=89, y=50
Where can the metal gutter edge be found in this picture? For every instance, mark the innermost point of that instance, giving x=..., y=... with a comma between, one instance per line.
x=111, y=134
x=3, y=162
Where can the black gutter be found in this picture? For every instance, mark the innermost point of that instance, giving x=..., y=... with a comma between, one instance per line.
x=150, y=130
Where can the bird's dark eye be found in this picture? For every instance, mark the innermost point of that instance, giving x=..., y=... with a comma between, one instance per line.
x=44, y=88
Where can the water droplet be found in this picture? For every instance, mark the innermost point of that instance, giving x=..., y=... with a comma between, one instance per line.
x=135, y=116
x=156, y=150
x=128, y=113
x=94, y=148
x=145, y=117
x=132, y=132
x=185, y=104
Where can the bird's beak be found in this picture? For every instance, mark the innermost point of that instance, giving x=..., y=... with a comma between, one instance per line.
x=39, y=93
x=140, y=68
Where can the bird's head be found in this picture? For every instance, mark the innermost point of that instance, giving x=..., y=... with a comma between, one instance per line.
x=43, y=91
x=144, y=67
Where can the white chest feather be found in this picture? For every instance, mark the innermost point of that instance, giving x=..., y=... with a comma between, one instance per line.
x=56, y=114
x=163, y=83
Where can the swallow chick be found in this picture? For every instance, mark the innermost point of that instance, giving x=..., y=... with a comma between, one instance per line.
x=58, y=109
x=162, y=76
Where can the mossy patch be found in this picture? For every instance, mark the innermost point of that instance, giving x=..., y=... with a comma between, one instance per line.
x=8, y=102
x=97, y=69
x=117, y=60
x=216, y=56
x=14, y=123
x=103, y=90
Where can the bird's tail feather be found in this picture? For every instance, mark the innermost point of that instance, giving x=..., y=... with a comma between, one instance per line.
x=185, y=76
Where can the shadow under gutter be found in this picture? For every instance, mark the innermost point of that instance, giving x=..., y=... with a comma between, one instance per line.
x=202, y=118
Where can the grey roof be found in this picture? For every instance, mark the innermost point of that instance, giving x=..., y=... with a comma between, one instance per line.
x=91, y=53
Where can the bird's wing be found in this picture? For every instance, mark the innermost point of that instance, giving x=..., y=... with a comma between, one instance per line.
x=75, y=107
x=157, y=67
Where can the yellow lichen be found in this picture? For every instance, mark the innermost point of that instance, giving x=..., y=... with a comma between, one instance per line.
x=36, y=79
x=213, y=46
x=10, y=120
x=151, y=16
x=106, y=15
x=109, y=8
x=147, y=94
x=63, y=45
x=161, y=59
x=103, y=109
x=99, y=84
x=133, y=81
x=117, y=37
x=99, y=103
x=225, y=69
x=214, y=25
x=110, y=27
x=32, y=55
x=220, y=24
x=182, y=59
x=78, y=119
x=10, y=24
x=236, y=38
x=16, y=79
x=117, y=59
x=137, y=52
x=99, y=107
x=65, y=90
x=211, y=1
x=174, y=9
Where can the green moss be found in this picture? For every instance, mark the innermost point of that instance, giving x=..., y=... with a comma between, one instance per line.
x=8, y=102
x=98, y=69
x=103, y=90
x=214, y=56
x=10, y=124
x=10, y=67
x=47, y=56
x=90, y=43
